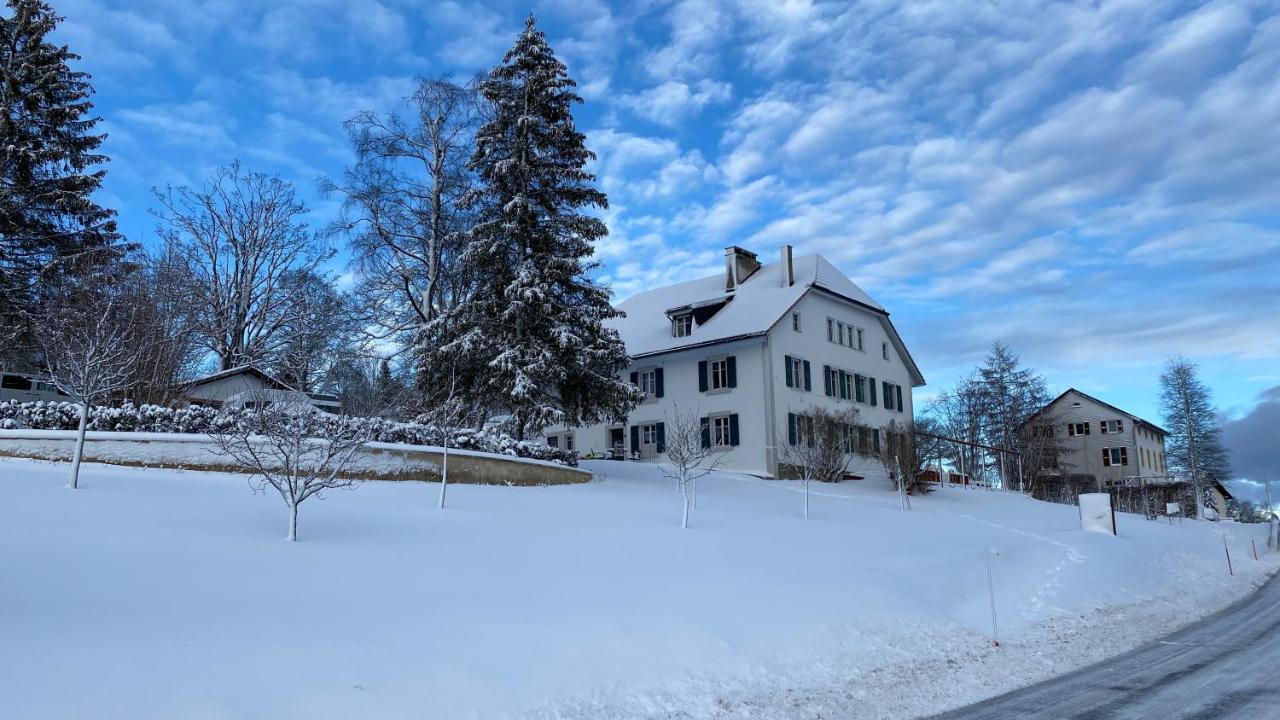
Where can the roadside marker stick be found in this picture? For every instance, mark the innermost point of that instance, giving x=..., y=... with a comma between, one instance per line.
x=1254, y=545
x=991, y=590
x=1228, y=551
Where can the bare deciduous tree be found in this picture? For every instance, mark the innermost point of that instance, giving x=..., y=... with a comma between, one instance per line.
x=294, y=450
x=243, y=240
x=818, y=446
x=402, y=203
x=89, y=351
x=901, y=457
x=690, y=455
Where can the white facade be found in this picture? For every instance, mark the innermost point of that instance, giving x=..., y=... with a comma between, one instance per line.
x=767, y=315
x=246, y=386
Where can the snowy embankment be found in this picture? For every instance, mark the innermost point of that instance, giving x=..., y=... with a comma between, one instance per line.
x=166, y=594
x=377, y=460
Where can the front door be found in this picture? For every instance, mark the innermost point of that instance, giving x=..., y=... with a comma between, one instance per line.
x=617, y=444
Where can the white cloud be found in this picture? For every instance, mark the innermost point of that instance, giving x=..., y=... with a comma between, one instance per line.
x=674, y=102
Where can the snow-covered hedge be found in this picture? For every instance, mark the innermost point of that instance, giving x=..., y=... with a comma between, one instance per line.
x=198, y=419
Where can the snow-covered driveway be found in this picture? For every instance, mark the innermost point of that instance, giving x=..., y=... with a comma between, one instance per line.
x=162, y=594
x=1227, y=666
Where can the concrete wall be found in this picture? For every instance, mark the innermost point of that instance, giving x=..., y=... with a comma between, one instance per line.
x=378, y=461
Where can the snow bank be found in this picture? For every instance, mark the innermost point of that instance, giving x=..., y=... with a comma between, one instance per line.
x=164, y=594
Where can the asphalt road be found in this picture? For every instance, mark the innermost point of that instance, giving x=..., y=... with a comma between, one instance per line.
x=1225, y=666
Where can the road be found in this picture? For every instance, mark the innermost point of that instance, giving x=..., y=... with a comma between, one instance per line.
x=1225, y=666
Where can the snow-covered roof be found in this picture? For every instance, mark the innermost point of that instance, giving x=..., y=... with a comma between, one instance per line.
x=752, y=309
x=242, y=370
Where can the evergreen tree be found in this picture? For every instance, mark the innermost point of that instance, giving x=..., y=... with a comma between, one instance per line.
x=1009, y=394
x=533, y=336
x=50, y=227
x=1194, y=445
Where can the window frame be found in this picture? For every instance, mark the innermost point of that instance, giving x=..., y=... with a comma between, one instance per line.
x=681, y=322
x=722, y=364
x=721, y=424
x=795, y=321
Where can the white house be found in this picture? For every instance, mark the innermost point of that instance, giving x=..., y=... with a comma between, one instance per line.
x=245, y=386
x=751, y=352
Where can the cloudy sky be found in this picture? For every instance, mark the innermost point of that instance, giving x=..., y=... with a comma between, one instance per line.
x=1096, y=183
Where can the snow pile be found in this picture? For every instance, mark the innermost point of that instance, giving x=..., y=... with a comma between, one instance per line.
x=170, y=594
x=203, y=420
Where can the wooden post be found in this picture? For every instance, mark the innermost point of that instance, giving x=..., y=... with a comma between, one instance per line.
x=1253, y=544
x=1227, y=550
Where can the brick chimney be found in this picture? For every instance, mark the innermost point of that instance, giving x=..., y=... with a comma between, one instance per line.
x=788, y=267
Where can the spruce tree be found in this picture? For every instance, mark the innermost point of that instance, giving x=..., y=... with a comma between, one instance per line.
x=533, y=333
x=50, y=227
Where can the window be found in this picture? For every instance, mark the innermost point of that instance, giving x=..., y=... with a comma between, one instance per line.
x=797, y=373
x=860, y=388
x=1110, y=426
x=887, y=387
x=875, y=439
x=864, y=440
x=682, y=326
x=831, y=330
x=720, y=435
x=649, y=434
x=719, y=374
x=1074, y=429
x=860, y=339
x=795, y=321
x=553, y=441
x=800, y=429
x=840, y=334
x=568, y=442
x=649, y=383
x=1115, y=456
x=884, y=350
x=15, y=382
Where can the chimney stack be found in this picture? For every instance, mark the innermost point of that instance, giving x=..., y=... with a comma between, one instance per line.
x=788, y=267
x=739, y=264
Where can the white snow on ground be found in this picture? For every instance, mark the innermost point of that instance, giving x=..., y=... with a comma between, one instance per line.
x=169, y=594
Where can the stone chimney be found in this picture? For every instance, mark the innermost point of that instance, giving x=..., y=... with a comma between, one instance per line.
x=788, y=267
x=739, y=264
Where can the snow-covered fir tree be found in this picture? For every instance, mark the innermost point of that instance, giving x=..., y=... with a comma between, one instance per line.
x=533, y=331
x=49, y=224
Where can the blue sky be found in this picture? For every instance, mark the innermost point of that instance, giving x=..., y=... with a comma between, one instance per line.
x=1095, y=183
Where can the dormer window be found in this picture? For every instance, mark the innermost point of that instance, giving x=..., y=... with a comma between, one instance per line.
x=682, y=325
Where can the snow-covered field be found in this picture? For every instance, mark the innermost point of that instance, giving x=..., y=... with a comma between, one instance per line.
x=166, y=594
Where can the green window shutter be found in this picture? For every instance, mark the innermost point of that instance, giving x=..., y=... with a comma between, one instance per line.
x=733, y=429
x=826, y=380
x=791, y=428
x=791, y=381
x=871, y=387
x=706, y=432
x=657, y=378
x=858, y=390
x=899, y=390
x=662, y=437
x=702, y=376
x=635, y=438
x=888, y=395
x=808, y=378
x=733, y=371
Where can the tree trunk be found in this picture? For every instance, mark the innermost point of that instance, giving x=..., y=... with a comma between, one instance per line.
x=684, y=519
x=78, y=453
x=293, y=521
x=444, y=471
x=806, y=498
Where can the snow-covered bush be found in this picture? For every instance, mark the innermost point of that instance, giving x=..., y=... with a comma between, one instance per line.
x=199, y=419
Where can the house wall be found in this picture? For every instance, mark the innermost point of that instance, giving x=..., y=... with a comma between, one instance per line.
x=222, y=388
x=811, y=344
x=1083, y=454
x=762, y=399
